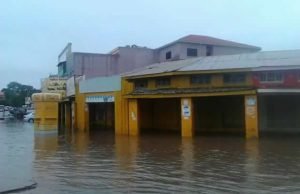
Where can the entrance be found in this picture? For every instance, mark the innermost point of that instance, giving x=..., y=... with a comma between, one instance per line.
x=279, y=113
x=160, y=115
x=219, y=114
x=102, y=116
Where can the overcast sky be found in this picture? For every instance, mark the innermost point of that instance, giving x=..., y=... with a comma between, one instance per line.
x=33, y=32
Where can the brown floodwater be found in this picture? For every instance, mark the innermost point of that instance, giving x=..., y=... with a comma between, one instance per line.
x=102, y=163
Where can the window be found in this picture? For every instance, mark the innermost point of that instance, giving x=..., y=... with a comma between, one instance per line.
x=234, y=78
x=209, y=50
x=64, y=68
x=271, y=77
x=162, y=82
x=168, y=55
x=191, y=52
x=140, y=84
x=200, y=79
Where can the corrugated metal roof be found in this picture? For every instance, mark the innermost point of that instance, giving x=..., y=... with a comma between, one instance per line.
x=207, y=40
x=164, y=67
x=254, y=61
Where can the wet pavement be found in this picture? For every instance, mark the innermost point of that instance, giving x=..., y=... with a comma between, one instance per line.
x=102, y=163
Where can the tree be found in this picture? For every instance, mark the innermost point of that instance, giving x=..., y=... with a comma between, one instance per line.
x=15, y=93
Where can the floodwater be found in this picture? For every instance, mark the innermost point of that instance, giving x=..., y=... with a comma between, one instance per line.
x=102, y=163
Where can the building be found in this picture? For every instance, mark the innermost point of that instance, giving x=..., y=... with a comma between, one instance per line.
x=249, y=94
x=97, y=76
x=199, y=46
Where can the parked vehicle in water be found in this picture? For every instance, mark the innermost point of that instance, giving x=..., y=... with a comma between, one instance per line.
x=29, y=117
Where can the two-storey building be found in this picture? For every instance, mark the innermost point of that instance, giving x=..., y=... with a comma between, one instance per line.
x=240, y=94
x=102, y=74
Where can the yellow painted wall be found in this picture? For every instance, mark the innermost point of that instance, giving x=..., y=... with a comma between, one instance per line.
x=183, y=81
x=46, y=111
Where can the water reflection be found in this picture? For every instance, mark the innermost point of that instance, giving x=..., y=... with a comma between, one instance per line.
x=45, y=145
x=126, y=150
x=100, y=162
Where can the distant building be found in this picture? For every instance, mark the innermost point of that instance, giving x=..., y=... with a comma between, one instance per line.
x=198, y=46
x=2, y=96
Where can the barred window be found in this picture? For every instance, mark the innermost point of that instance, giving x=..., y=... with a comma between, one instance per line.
x=169, y=55
x=140, y=84
x=234, y=78
x=200, y=79
x=209, y=50
x=191, y=52
x=162, y=82
x=271, y=77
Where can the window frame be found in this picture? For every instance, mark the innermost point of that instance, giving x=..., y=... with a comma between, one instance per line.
x=209, y=50
x=168, y=55
x=136, y=82
x=167, y=83
x=267, y=75
x=203, y=79
x=234, y=80
x=193, y=51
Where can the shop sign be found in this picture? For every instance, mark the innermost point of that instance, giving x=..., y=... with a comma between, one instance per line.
x=54, y=85
x=99, y=99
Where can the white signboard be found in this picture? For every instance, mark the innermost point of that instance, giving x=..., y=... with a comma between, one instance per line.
x=98, y=99
x=251, y=101
x=186, y=111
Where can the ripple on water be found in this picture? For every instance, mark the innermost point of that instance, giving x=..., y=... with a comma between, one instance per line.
x=102, y=163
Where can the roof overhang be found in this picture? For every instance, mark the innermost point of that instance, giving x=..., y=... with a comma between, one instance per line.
x=176, y=94
x=270, y=91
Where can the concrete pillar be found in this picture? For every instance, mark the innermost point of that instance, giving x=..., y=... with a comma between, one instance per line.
x=133, y=112
x=251, y=117
x=187, y=116
x=68, y=116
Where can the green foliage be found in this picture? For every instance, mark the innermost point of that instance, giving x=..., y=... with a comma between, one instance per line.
x=15, y=93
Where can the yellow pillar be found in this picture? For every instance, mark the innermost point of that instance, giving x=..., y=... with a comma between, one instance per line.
x=251, y=117
x=67, y=116
x=133, y=111
x=81, y=109
x=187, y=123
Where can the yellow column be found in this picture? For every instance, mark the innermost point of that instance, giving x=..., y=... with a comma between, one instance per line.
x=134, y=127
x=251, y=117
x=67, y=116
x=187, y=123
x=86, y=117
x=81, y=109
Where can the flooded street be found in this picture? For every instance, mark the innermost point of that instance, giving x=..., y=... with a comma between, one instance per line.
x=103, y=163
